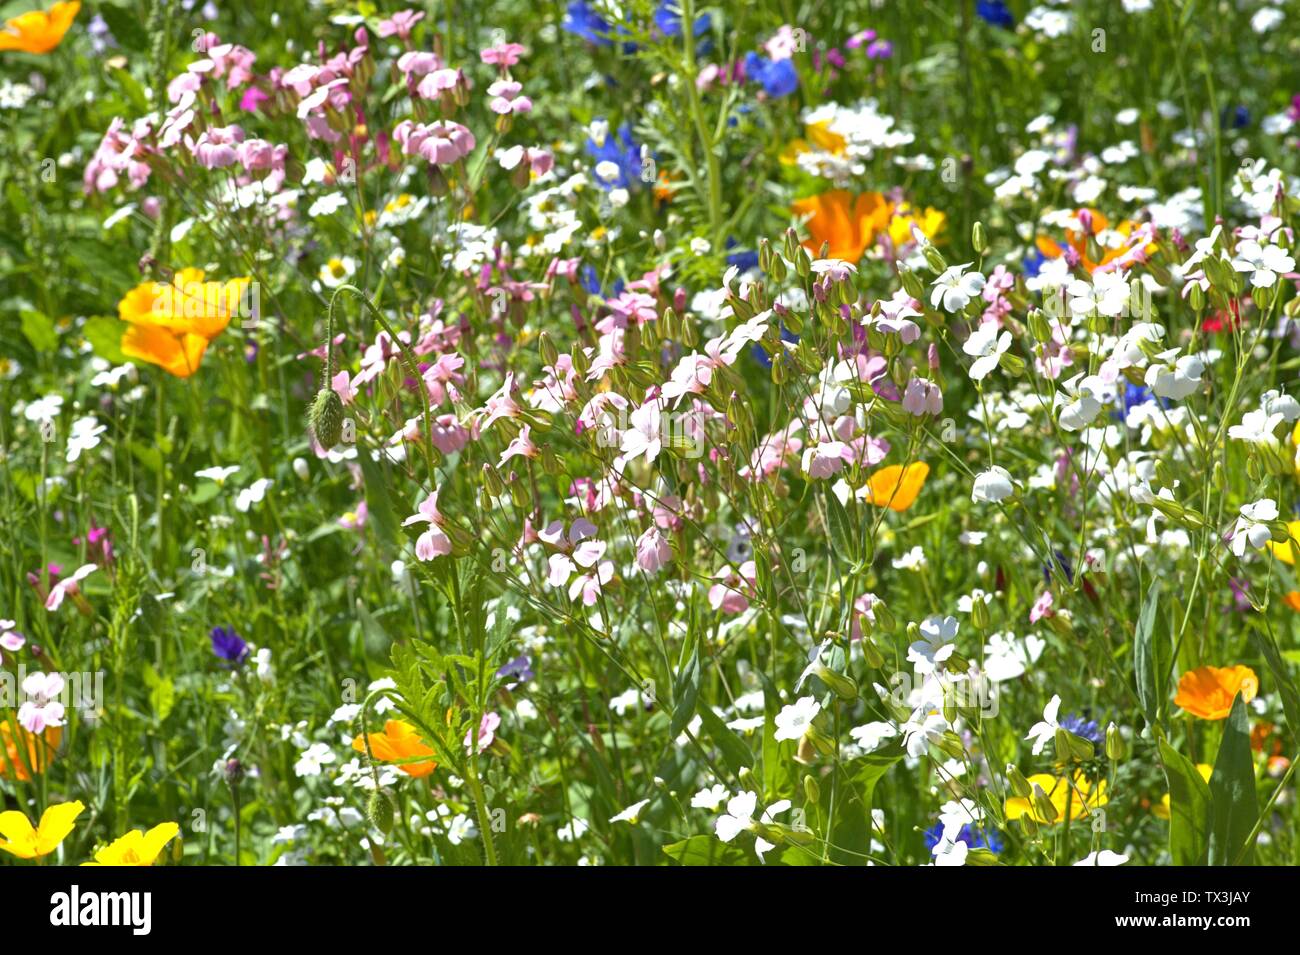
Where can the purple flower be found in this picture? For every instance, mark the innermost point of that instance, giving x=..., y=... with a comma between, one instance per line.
x=518, y=670
x=229, y=645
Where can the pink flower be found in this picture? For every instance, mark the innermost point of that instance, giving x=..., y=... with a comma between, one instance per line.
x=653, y=551
x=399, y=24
x=434, y=542
x=862, y=608
x=216, y=147
x=416, y=63
x=502, y=54
x=448, y=435
x=506, y=98
x=826, y=459
x=522, y=446
x=68, y=587
x=1042, y=607
x=922, y=398
x=502, y=404
x=441, y=142
x=42, y=707
x=439, y=82
x=731, y=595
x=487, y=728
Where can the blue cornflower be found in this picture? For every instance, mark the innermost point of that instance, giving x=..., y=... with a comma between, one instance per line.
x=995, y=12
x=624, y=152
x=668, y=18
x=1032, y=263
x=581, y=20
x=970, y=835
x=778, y=77
x=1084, y=729
x=229, y=645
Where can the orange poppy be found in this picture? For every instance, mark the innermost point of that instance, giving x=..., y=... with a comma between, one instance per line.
x=399, y=740
x=1208, y=692
x=848, y=223
x=38, y=31
x=1078, y=241
x=896, y=487
x=171, y=325
x=37, y=760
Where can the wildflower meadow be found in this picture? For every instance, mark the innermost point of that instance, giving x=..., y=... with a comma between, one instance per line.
x=649, y=433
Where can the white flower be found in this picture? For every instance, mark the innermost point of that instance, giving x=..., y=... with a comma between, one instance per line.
x=918, y=734
x=1274, y=402
x=1081, y=401
x=738, y=818
x=1257, y=427
x=1006, y=657
x=987, y=347
x=460, y=828
x=1252, y=526
x=870, y=735
x=992, y=486
x=1264, y=263
x=954, y=289
x=44, y=409
x=313, y=760
x=1176, y=381
x=337, y=271
x=710, y=798
x=914, y=559
x=1045, y=730
x=795, y=719
x=68, y=585
x=217, y=474
x=84, y=436
x=253, y=494
x=948, y=852
x=1104, y=857
x=938, y=646
x=632, y=813
x=572, y=830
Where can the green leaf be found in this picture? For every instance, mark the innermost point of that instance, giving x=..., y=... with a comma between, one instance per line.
x=1232, y=790
x=39, y=330
x=378, y=499
x=1144, y=655
x=686, y=690
x=126, y=26
x=105, y=336
x=734, y=751
x=705, y=850
x=1189, y=808
x=162, y=693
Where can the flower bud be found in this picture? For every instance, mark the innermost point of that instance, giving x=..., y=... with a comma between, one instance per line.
x=979, y=240
x=379, y=810
x=1017, y=782
x=1116, y=746
x=811, y=790
x=1042, y=805
x=934, y=259
x=326, y=417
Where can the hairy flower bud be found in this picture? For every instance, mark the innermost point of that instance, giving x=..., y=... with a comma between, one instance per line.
x=326, y=418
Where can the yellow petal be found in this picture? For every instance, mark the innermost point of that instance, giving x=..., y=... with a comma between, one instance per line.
x=20, y=837
x=56, y=823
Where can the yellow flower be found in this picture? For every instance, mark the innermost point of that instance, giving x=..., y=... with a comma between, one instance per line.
x=1208, y=692
x=1082, y=797
x=896, y=487
x=38, y=31
x=930, y=222
x=848, y=223
x=1162, y=811
x=171, y=325
x=1283, y=551
x=21, y=840
x=820, y=136
x=136, y=847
